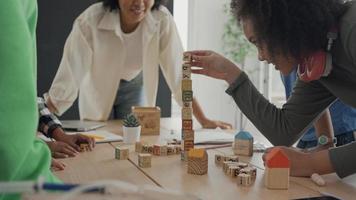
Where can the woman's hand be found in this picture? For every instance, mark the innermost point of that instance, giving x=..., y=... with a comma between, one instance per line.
x=57, y=165
x=61, y=149
x=214, y=65
x=73, y=140
x=212, y=124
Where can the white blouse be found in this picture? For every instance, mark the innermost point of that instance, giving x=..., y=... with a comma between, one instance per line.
x=93, y=61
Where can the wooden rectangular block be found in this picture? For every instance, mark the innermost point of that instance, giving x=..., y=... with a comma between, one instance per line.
x=188, y=135
x=187, y=124
x=187, y=85
x=187, y=57
x=186, y=71
x=243, y=147
x=138, y=147
x=276, y=178
x=144, y=160
x=149, y=118
x=187, y=96
x=121, y=153
x=187, y=114
x=157, y=150
x=244, y=179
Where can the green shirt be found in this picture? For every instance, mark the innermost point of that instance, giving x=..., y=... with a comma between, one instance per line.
x=22, y=156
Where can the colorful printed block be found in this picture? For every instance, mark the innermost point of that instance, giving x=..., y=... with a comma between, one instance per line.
x=121, y=153
x=157, y=150
x=187, y=113
x=187, y=124
x=187, y=71
x=144, y=160
x=84, y=147
x=187, y=95
x=188, y=135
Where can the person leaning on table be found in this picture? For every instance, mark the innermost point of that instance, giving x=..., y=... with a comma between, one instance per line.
x=287, y=33
x=112, y=57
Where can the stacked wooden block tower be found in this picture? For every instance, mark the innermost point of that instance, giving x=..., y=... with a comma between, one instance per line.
x=197, y=161
x=187, y=110
x=243, y=144
x=277, y=170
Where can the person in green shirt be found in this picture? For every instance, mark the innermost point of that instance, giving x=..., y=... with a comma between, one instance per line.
x=23, y=157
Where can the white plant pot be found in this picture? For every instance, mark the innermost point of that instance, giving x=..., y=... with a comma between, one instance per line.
x=131, y=134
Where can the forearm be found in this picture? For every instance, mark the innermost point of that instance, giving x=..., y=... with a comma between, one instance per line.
x=323, y=126
x=343, y=159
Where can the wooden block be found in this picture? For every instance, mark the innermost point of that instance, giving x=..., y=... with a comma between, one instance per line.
x=163, y=150
x=242, y=164
x=184, y=155
x=187, y=57
x=121, y=153
x=187, y=96
x=226, y=165
x=219, y=159
x=187, y=104
x=138, y=147
x=186, y=85
x=187, y=114
x=188, y=135
x=276, y=178
x=170, y=150
x=244, y=179
x=178, y=149
x=233, y=171
x=149, y=118
x=84, y=147
x=187, y=71
x=188, y=144
x=144, y=148
x=197, y=161
x=232, y=158
x=187, y=124
x=144, y=160
x=250, y=171
x=150, y=149
x=157, y=150
x=243, y=147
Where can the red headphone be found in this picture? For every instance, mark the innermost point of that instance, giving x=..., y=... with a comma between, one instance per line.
x=319, y=64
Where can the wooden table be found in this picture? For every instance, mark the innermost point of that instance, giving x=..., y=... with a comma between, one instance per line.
x=169, y=172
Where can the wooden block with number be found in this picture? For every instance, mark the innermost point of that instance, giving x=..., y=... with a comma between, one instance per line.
x=186, y=85
x=187, y=114
x=188, y=135
x=188, y=144
x=187, y=124
x=187, y=57
x=187, y=104
x=244, y=179
x=149, y=118
x=187, y=96
x=121, y=153
x=157, y=150
x=187, y=71
x=197, y=161
x=144, y=160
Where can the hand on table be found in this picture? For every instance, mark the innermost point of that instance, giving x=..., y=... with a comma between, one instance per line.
x=61, y=149
x=73, y=140
x=57, y=165
x=212, y=124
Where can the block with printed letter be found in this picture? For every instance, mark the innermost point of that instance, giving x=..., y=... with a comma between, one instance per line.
x=243, y=144
x=187, y=114
x=219, y=159
x=244, y=179
x=188, y=135
x=188, y=144
x=187, y=96
x=197, y=161
x=186, y=85
x=277, y=170
x=157, y=149
x=121, y=153
x=144, y=160
x=187, y=71
x=187, y=57
x=149, y=118
x=187, y=124
x=187, y=104
x=163, y=150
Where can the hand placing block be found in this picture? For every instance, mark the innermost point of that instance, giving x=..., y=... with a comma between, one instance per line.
x=277, y=170
x=121, y=153
x=144, y=160
x=243, y=144
x=197, y=161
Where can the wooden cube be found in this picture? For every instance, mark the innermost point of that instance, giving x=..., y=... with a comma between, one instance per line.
x=188, y=135
x=187, y=57
x=187, y=124
x=84, y=147
x=144, y=148
x=157, y=150
x=219, y=159
x=121, y=153
x=149, y=118
x=187, y=114
x=249, y=170
x=197, y=161
x=244, y=179
x=186, y=85
x=163, y=150
x=233, y=171
x=187, y=71
x=187, y=104
x=144, y=160
x=170, y=150
x=184, y=155
x=178, y=149
x=188, y=144
x=138, y=147
x=187, y=96
x=150, y=149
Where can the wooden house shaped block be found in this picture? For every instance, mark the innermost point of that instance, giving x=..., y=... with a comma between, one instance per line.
x=243, y=144
x=197, y=161
x=149, y=118
x=277, y=170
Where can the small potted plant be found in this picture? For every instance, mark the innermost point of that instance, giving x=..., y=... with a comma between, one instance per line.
x=131, y=129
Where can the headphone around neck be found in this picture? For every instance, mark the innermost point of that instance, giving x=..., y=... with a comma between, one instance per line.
x=318, y=64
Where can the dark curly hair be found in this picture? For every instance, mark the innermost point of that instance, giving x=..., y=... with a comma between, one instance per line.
x=291, y=27
x=114, y=4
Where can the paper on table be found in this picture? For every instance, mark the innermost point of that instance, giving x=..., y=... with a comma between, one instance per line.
x=100, y=136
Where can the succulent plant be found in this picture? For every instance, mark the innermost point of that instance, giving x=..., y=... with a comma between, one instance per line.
x=131, y=121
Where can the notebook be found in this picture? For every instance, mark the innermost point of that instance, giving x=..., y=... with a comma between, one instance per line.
x=80, y=125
